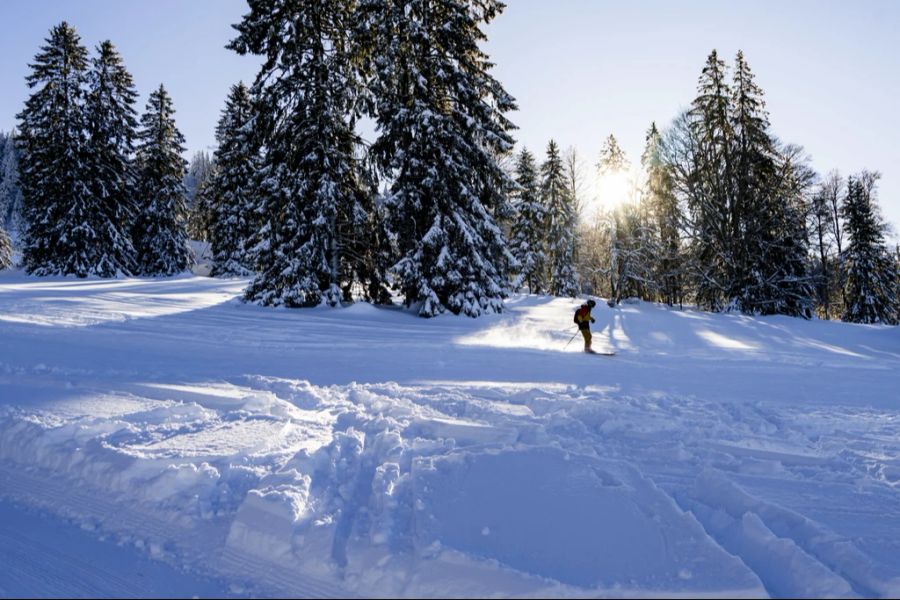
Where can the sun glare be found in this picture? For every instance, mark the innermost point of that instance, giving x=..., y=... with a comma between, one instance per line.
x=608, y=191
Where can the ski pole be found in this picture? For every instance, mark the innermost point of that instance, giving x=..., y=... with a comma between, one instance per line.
x=570, y=341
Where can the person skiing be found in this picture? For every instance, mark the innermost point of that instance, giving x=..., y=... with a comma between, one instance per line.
x=584, y=319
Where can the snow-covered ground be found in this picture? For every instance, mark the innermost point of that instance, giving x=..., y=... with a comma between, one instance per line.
x=333, y=452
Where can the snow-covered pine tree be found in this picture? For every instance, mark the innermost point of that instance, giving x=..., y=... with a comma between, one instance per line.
x=714, y=224
x=562, y=224
x=752, y=224
x=529, y=229
x=6, y=260
x=231, y=191
x=112, y=125
x=159, y=233
x=52, y=165
x=769, y=249
x=11, y=217
x=317, y=204
x=871, y=279
x=199, y=173
x=441, y=124
x=4, y=142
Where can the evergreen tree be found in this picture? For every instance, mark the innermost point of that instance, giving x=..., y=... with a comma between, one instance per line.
x=767, y=219
x=11, y=217
x=319, y=234
x=5, y=142
x=441, y=124
x=231, y=191
x=562, y=224
x=747, y=199
x=710, y=182
x=529, y=228
x=53, y=144
x=111, y=125
x=159, y=234
x=6, y=145
x=5, y=250
x=758, y=216
x=871, y=271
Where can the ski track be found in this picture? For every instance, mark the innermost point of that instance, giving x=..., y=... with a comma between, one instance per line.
x=787, y=489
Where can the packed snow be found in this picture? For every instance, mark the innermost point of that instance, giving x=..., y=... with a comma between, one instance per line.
x=365, y=451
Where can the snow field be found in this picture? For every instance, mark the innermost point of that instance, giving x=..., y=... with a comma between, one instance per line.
x=365, y=451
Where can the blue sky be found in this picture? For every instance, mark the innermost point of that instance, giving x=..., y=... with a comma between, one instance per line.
x=580, y=69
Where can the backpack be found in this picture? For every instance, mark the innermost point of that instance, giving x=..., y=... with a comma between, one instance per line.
x=581, y=312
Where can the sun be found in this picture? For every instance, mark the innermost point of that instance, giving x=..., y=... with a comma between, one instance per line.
x=608, y=191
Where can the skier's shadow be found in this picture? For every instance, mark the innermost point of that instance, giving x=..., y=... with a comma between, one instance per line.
x=614, y=320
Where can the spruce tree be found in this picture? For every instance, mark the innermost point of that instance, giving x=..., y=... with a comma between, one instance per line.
x=11, y=217
x=562, y=224
x=5, y=142
x=710, y=200
x=747, y=198
x=231, y=190
x=441, y=124
x=871, y=279
x=6, y=260
x=314, y=195
x=769, y=274
x=528, y=236
x=53, y=163
x=111, y=125
x=751, y=217
x=159, y=234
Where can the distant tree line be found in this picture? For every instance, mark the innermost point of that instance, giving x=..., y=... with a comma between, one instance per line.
x=436, y=208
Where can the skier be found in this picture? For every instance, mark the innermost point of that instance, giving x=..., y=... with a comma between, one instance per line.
x=584, y=319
